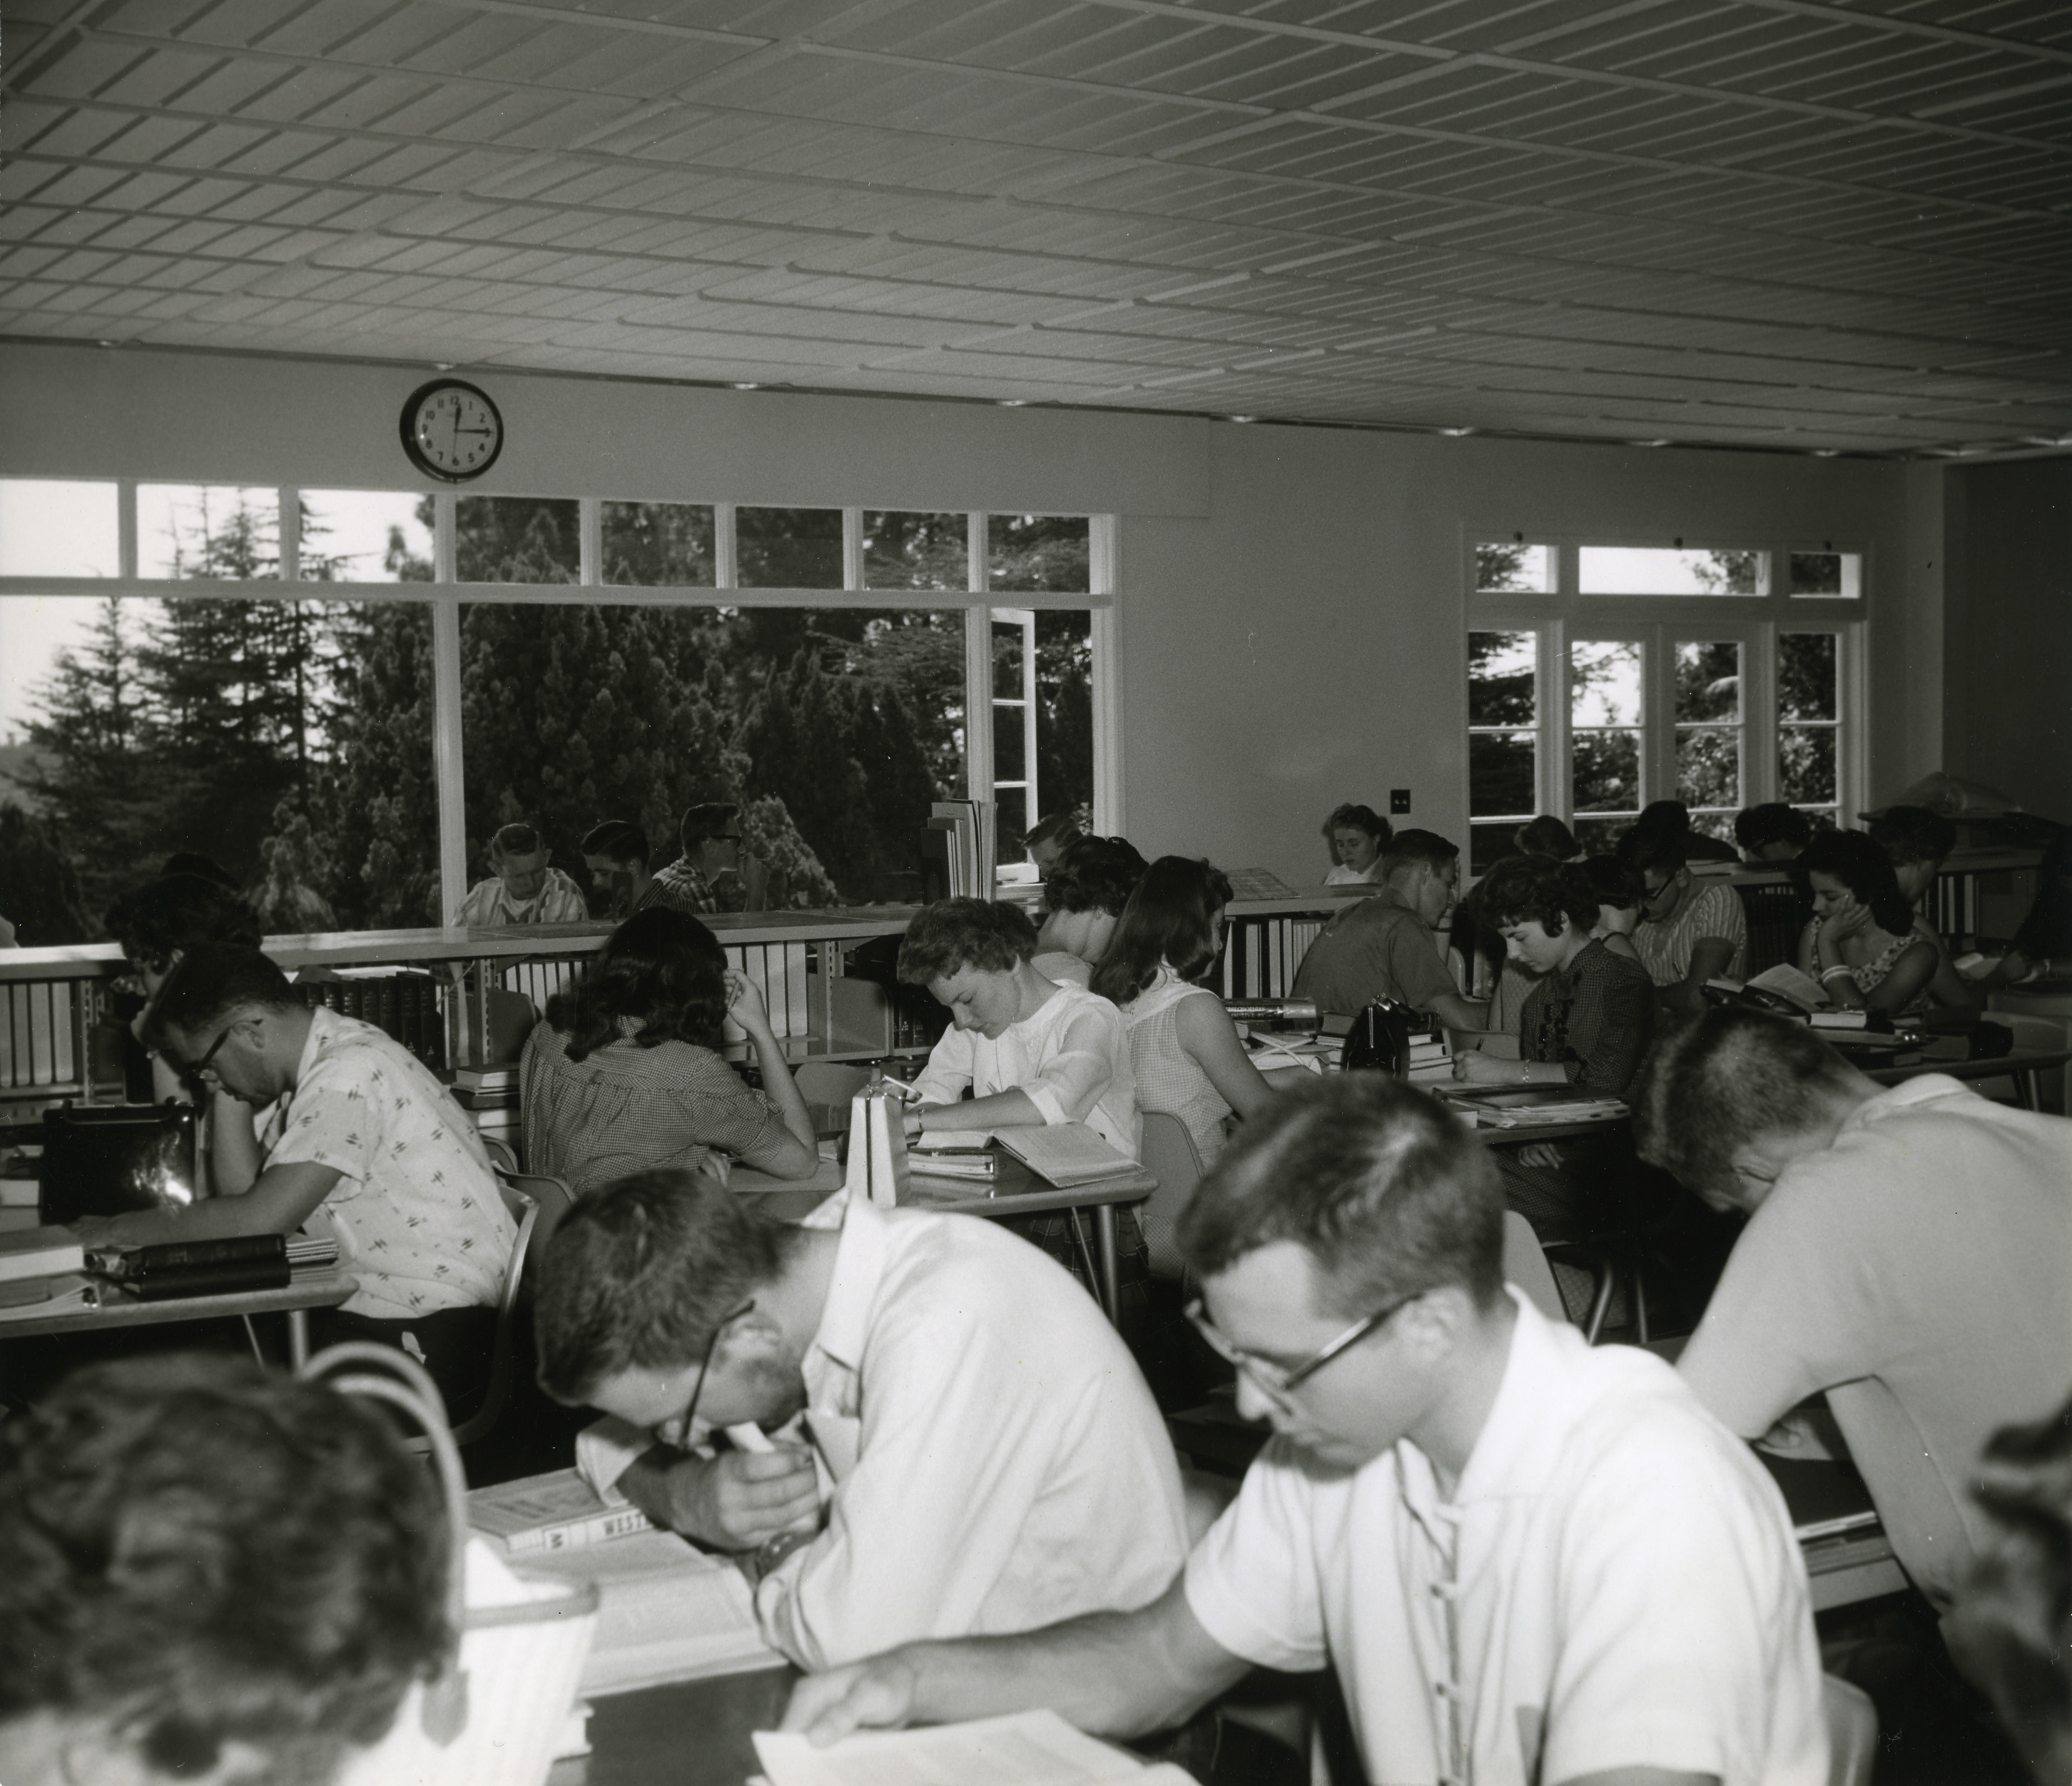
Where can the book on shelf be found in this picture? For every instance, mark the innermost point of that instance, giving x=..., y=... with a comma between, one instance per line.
x=557, y=1511
x=1065, y=1154
x=666, y=1611
x=1034, y=1748
x=487, y=1079
x=39, y=1252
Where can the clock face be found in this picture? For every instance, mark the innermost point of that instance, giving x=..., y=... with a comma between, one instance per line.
x=451, y=430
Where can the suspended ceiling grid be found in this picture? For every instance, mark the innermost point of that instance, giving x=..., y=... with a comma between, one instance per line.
x=1782, y=223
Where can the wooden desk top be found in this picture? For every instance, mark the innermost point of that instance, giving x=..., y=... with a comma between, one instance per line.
x=1017, y=1191
x=312, y=1289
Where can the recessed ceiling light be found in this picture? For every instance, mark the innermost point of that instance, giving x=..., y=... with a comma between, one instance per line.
x=1456, y=432
x=1240, y=418
x=748, y=387
x=1014, y=403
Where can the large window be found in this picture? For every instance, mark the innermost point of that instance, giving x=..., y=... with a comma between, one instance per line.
x=1673, y=667
x=347, y=755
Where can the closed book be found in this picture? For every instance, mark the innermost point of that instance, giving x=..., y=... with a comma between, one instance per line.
x=178, y=1255
x=39, y=1252
x=229, y=1278
x=557, y=1511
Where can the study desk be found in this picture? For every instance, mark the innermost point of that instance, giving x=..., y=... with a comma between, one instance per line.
x=2022, y=1065
x=1016, y=1191
x=311, y=1289
x=690, y=1733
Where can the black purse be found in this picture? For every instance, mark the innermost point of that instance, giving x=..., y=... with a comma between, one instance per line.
x=107, y=1159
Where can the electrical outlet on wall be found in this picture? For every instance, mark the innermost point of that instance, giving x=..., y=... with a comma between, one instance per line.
x=1398, y=799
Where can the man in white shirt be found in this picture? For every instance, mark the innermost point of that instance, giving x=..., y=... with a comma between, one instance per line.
x=522, y=889
x=1527, y=1561
x=987, y=1456
x=1908, y=1251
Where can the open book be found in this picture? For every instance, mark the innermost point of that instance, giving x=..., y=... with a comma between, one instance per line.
x=667, y=1611
x=1065, y=1154
x=1036, y=1748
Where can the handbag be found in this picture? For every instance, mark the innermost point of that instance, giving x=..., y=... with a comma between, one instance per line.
x=107, y=1159
x=496, y=1711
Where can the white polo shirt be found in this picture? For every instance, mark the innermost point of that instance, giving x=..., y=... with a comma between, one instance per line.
x=1614, y=1584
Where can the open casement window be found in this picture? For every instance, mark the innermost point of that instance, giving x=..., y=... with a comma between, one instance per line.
x=1678, y=672
x=341, y=695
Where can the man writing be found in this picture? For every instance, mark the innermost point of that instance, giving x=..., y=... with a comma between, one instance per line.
x=1688, y=933
x=711, y=875
x=522, y=889
x=361, y=1142
x=1527, y=1560
x=1383, y=947
x=1909, y=1250
x=987, y=1456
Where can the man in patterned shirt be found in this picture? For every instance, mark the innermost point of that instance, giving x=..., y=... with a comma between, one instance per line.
x=712, y=875
x=361, y=1143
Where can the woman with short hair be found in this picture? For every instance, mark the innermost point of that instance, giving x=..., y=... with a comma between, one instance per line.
x=623, y=1072
x=1356, y=836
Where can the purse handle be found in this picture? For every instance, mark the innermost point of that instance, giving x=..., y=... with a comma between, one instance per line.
x=385, y=1374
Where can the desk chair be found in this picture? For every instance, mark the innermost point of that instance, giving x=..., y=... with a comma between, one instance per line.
x=1525, y=1264
x=502, y=1155
x=828, y=1081
x=1169, y=1155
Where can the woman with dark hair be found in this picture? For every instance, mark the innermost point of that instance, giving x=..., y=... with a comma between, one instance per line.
x=623, y=1073
x=1860, y=943
x=1083, y=896
x=1618, y=886
x=1183, y=1047
x=1548, y=836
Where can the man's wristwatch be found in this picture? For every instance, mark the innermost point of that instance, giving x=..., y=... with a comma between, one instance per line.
x=773, y=1550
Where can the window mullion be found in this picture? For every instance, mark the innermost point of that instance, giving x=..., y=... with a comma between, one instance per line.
x=725, y=559
x=290, y=498
x=589, y=542
x=449, y=782
x=1556, y=782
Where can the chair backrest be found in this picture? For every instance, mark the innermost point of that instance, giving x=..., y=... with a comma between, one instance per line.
x=1852, y=1732
x=550, y=1198
x=1525, y=1266
x=502, y=1155
x=1169, y=1154
x=1776, y=912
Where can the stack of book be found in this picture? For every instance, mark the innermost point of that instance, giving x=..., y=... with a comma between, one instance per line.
x=960, y=847
x=1431, y=1060
x=490, y=1095
x=667, y=1612
x=43, y=1271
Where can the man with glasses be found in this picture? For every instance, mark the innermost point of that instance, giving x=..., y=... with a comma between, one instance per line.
x=963, y=1444
x=1385, y=947
x=713, y=874
x=522, y=888
x=359, y=1142
x=1908, y=1251
x=1526, y=1560
x=1688, y=933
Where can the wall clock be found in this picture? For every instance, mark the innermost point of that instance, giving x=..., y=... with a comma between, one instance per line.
x=451, y=431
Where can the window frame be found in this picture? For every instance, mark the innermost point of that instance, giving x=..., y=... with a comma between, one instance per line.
x=446, y=593
x=1559, y=618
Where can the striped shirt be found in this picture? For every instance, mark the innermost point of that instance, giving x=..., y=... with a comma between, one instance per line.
x=1709, y=909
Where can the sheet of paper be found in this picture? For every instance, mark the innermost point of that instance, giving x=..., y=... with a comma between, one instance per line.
x=1036, y=1748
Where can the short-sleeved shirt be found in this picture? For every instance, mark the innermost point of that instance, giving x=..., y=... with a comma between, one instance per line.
x=1613, y=1584
x=1070, y=1058
x=685, y=888
x=1593, y=1020
x=1710, y=908
x=560, y=901
x=1919, y=1269
x=415, y=1211
x=1379, y=949
x=625, y=1109
x=1168, y=1079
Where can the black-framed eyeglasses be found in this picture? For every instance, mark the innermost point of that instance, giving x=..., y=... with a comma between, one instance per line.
x=195, y=1069
x=690, y=1413
x=1279, y=1380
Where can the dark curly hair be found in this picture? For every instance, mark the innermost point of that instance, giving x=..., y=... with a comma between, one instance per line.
x=1522, y=887
x=1094, y=875
x=663, y=970
x=166, y=917
x=1170, y=917
x=952, y=934
x=1913, y=834
x=1866, y=871
x=196, y=1553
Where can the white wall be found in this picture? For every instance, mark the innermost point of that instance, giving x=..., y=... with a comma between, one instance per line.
x=1292, y=614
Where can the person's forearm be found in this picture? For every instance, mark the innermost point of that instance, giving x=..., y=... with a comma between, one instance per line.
x=212, y=1219
x=1457, y=1013
x=233, y=1146
x=1098, y=1673
x=779, y=1088
x=1009, y=1109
